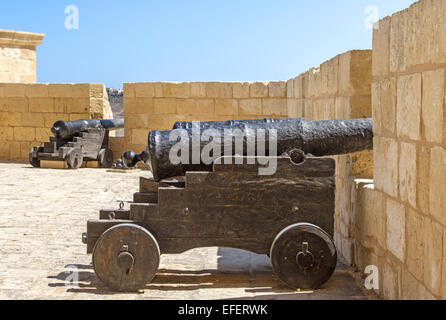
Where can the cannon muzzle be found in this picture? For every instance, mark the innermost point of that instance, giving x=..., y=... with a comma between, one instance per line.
x=65, y=130
x=265, y=137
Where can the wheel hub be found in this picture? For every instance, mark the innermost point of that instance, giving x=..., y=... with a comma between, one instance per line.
x=305, y=259
x=126, y=262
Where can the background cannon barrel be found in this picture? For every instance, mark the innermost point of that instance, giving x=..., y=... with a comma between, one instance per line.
x=319, y=138
x=67, y=129
x=216, y=124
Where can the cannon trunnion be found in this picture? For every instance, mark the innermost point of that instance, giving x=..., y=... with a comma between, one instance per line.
x=288, y=215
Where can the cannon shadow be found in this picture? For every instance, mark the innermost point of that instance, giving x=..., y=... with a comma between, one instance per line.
x=235, y=269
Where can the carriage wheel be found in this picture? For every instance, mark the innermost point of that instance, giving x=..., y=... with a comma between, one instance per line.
x=105, y=158
x=126, y=257
x=303, y=256
x=35, y=162
x=74, y=159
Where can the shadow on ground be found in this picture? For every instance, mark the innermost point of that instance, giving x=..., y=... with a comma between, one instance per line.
x=236, y=269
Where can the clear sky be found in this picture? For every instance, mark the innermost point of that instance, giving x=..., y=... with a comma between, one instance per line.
x=192, y=40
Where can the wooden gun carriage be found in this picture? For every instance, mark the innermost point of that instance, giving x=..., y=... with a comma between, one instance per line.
x=288, y=216
x=76, y=141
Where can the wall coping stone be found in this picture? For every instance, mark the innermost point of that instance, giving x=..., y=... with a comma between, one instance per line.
x=20, y=38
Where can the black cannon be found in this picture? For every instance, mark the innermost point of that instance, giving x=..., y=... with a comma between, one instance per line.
x=287, y=214
x=318, y=138
x=74, y=141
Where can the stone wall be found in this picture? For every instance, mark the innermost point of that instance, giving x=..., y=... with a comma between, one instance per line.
x=338, y=89
x=18, y=56
x=28, y=111
x=401, y=219
x=158, y=105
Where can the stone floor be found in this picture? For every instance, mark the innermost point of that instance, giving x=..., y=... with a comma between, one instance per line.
x=43, y=213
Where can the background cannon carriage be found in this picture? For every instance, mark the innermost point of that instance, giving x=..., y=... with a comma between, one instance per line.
x=74, y=141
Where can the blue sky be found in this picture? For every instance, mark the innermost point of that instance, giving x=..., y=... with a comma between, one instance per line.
x=191, y=40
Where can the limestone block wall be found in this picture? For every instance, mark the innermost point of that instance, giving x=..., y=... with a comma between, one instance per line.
x=402, y=217
x=158, y=105
x=18, y=56
x=338, y=89
x=28, y=111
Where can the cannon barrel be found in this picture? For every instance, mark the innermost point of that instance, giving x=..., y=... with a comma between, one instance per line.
x=318, y=138
x=65, y=130
x=228, y=123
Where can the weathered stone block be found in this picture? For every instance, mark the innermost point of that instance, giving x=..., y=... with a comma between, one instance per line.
x=398, y=42
x=139, y=136
x=275, y=107
x=24, y=134
x=81, y=90
x=396, y=228
x=225, y=107
x=437, y=183
x=6, y=134
x=80, y=105
x=289, y=89
x=174, y=90
x=14, y=90
x=417, y=39
x=79, y=116
x=129, y=90
x=197, y=90
x=145, y=89
x=381, y=48
x=333, y=76
x=250, y=107
x=324, y=78
x=385, y=96
x=140, y=121
x=259, y=90
x=277, y=89
x=138, y=106
x=409, y=106
x=374, y=217
x=44, y=105
x=360, y=107
x=32, y=120
x=386, y=165
x=190, y=106
x=60, y=90
x=219, y=90
x=211, y=106
x=423, y=168
x=314, y=82
x=433, y=255
x=96, y=90
x=432, y=105
x=391, y=279
x=165, y=106
x=38, y=90
x=415, y=244
x=61, y=105
x=408, y=173
x=308, y=109
x=343, y=108
x=411, y=289
x=4, y=150
x=43, y=134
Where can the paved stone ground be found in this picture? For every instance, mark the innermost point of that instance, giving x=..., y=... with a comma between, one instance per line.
x=43, y=213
